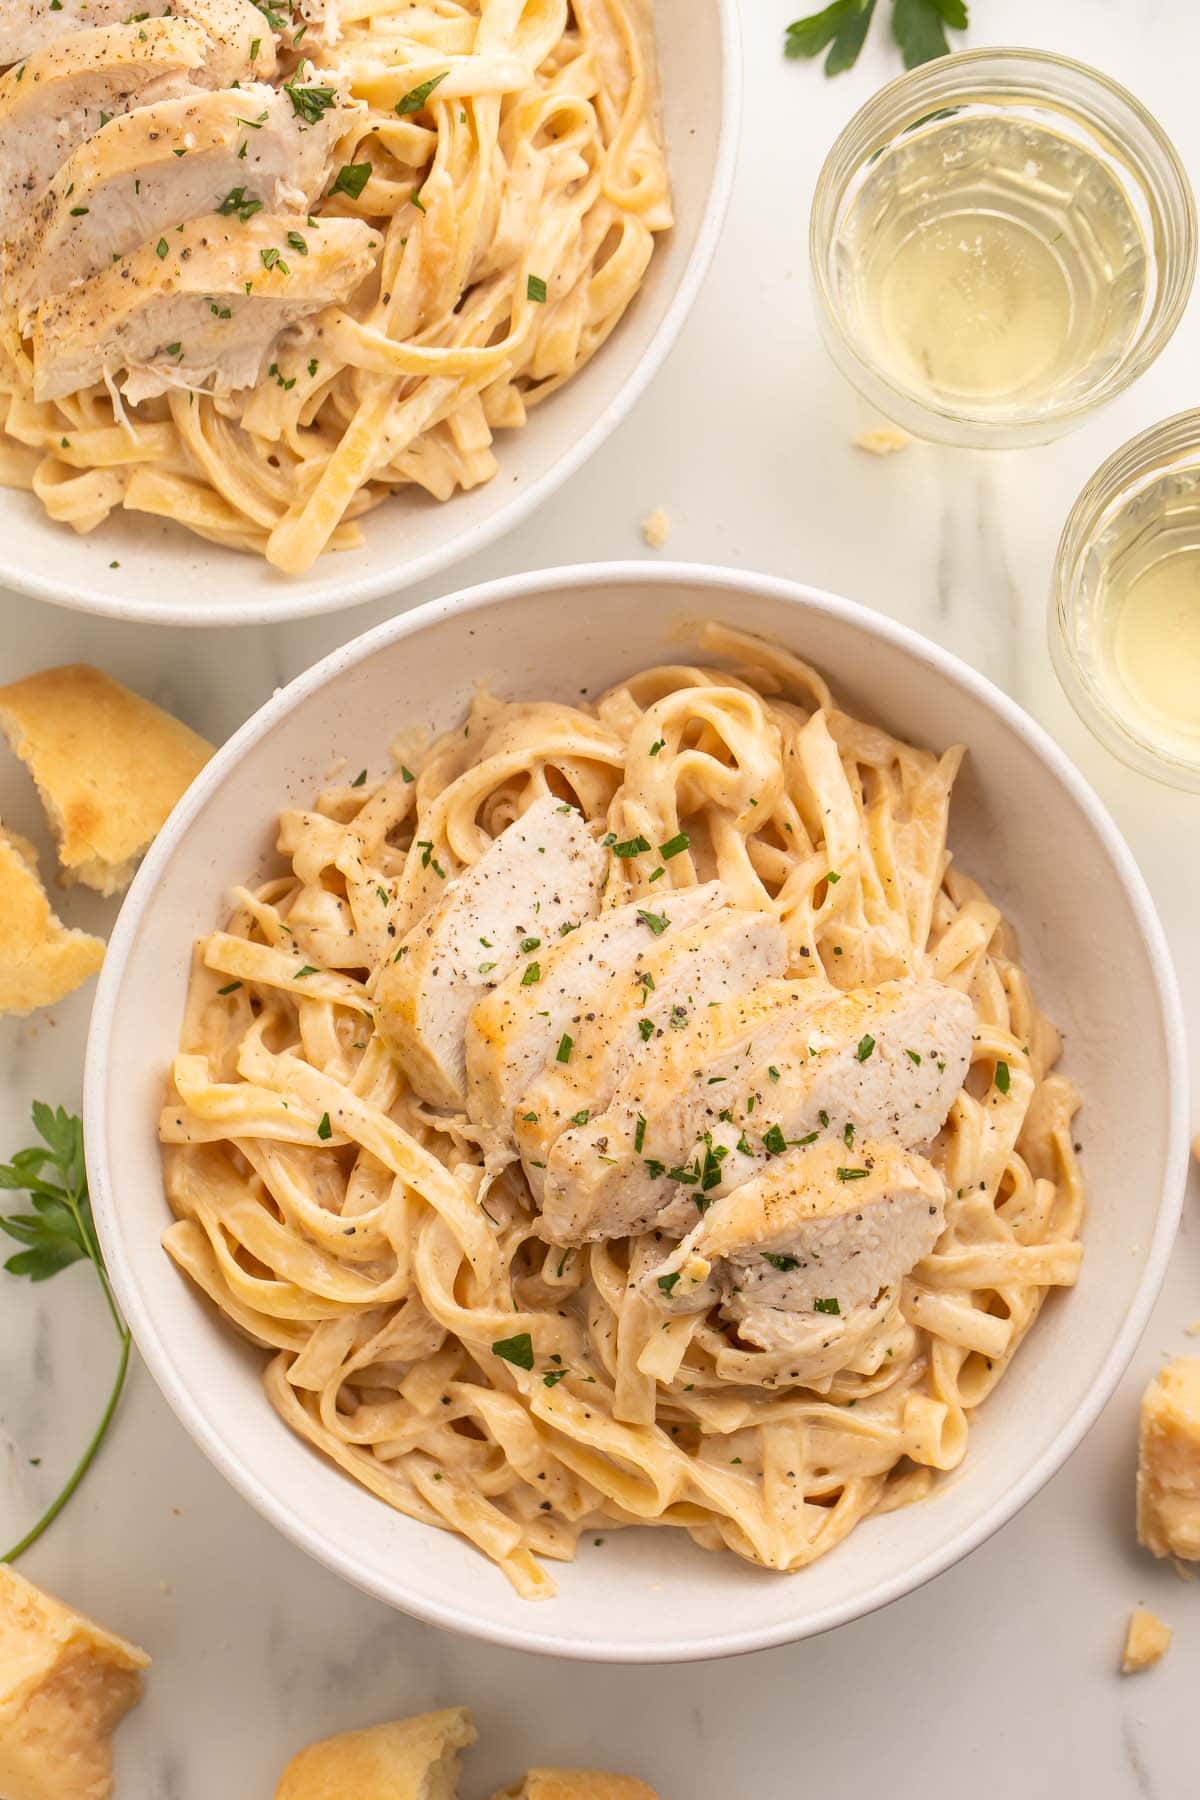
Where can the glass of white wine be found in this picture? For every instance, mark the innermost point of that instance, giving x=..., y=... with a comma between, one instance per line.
x=1001, y=241
x=1125, y=605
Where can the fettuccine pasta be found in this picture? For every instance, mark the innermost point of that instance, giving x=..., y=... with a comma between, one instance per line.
x=368, y=1244
x=510, y=154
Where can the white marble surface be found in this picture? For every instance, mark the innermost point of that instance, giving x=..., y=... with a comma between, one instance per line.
x=999, y=1679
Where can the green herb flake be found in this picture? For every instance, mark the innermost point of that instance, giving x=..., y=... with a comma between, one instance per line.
x=865, y=1046
x=668, y=1282
x=351, y=179
x=674, y=846
x=415, y=99
x=1003, y=1077
x=565, y=1047
x=827, y=1306
x=161, y=248
x=309, y=103
x=517, y=1350
x=639, y=1136
x=853, y=1174
x=785, y=1264
x=533, y=973
x=657, y=922
x=535, y=289
x=914, y=1057
x=634, y=846
x=646, y=1028
x=774, y=1141
x=324, y=1129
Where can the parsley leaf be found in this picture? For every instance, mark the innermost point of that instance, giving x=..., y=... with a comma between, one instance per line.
x=309, y=102
x=352, y=178
x=58, y=1232
x=414, y=100
x=516, y=1350
x=918, y=27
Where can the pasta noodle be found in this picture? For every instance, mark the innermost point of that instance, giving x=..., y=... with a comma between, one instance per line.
x=364, y=1240
x=518, y=179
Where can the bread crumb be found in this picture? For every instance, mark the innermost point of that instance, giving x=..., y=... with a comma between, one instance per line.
x=656, y=528
x=1168, y=1471
x=1146, y=1641
x=882, y=440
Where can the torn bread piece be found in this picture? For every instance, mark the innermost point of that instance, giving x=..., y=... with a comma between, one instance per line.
x=412, y=1759
x=1146, y=1641
x=576, y=1784
x=41, y=959
x=109, y=766
x=65, y=1685
x=1168, y=1475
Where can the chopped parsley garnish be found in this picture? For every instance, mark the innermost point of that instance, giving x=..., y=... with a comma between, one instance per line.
x=359, y=779
x=710, y=1173
x=310, y=102
x=773, y=1072
x=784, y=1263
x=554, y=1376
x=530, y=943
x=306, y=970
x=774, y=1141
x=674, y=846
x=565, y=1047
x=406, y=775
x=414, y=100
x=853, y=1174
x=633, y=846
x=832, y=876
x=517, y=1350
x=161, y=248
x=274, y=19
x=668, y=1282
x=533, y=973
x=848, y=1135
x=230, y=987
x=80, y=212
x=646, y=1027
x=1003, y=1078
x=271, y=259
x=657, y=745
x=535, y=289
x=352, y=178
x=416, y=199
x=297, y=243
x=639, y=1136
x=255, y=46
x=657, y=922
x=580, y=1118
x=865, y=1046
x=324, y=1129
x=486, y=968
x=913, y=1057
x=826, y=1306
x=312, y=365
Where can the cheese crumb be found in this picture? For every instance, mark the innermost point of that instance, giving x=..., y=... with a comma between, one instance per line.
x=1168, y=1475
x=65, y=1684
x=656, y=528
x=882, y=440
x=1146, y=1641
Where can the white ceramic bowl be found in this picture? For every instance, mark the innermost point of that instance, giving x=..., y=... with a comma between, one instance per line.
x=1023, y=822
x=168, y=575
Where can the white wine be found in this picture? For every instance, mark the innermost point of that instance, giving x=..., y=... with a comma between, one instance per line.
x=989, y=265
x=1144, y=572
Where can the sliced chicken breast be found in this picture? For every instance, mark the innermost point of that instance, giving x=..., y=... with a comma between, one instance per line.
x=27, y=26
x=515, y=1030
x=544, y=873
x=688, y=967
x=784, y=1064
x=30, y=25
x=241, y=42
x=814, y=1236
x=200, y=306
x=237, y=152
x=62, y=95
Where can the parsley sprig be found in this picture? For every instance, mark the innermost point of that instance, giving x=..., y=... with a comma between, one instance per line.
x=58, y=1232
x=918, y=26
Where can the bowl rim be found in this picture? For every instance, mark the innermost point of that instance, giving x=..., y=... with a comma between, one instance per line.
x=730, y=1639
x=379, y=579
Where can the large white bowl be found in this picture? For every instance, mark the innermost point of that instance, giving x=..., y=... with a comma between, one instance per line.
x=1023, y=822
x=139, y=567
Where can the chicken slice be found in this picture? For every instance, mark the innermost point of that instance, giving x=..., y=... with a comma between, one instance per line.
x=62, y=95
x=238, y=152
x=201, y=306
x=241, y=44
x=27, y=26
x=544, y=872
x=515, y=1029
x=807, y=1241
x=787, y=1062
x=719, y=954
